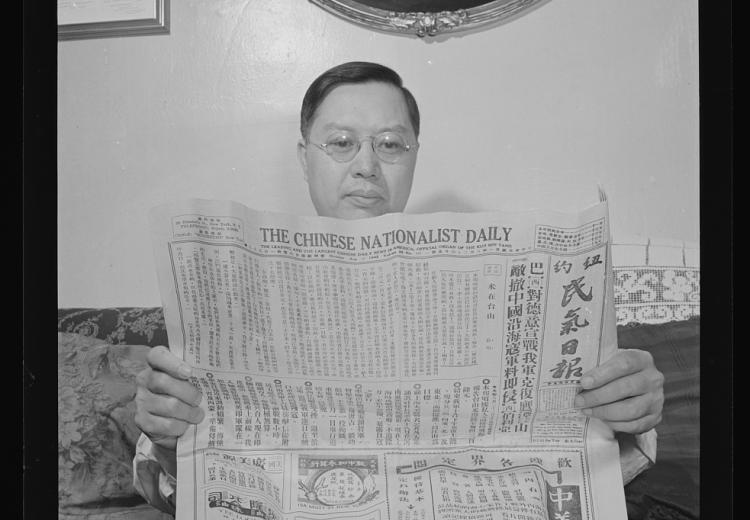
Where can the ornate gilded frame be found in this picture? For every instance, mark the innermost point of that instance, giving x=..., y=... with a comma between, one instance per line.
x=429, y=23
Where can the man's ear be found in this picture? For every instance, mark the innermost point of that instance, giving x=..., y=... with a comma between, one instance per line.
x=302, y=156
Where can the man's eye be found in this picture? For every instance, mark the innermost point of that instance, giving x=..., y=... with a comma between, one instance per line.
x=391, y=145
x=340, y=143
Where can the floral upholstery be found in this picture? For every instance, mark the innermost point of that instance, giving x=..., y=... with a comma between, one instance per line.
x=96, y=431
x=120, y=325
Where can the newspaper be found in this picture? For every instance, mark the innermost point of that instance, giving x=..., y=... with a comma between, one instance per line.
x=401, y=367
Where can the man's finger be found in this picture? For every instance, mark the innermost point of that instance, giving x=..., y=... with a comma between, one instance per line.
x=159, y=428
x=626, y=410
x=629, y=386
x=164, y=384
x=160, y=358
x=622, y=364
x=169, y=407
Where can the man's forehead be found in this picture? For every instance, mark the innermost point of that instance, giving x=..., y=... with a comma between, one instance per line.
x=351, y=105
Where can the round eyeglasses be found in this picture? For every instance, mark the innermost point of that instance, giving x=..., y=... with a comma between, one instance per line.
x=390, y=147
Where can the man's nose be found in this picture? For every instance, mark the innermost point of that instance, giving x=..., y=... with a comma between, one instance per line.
x=366, y=163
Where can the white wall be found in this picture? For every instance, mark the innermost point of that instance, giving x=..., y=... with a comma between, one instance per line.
x=575, y=93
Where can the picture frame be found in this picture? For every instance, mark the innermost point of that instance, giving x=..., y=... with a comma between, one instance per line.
x=78, y=20
x=428, y=17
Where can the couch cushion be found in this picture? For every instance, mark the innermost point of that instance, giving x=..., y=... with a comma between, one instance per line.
x=117, y=325
x=670, y=490
x=96, y=430
x=140, y=511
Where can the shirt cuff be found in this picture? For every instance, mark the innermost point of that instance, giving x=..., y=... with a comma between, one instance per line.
x=637, y=453
x=150, y=479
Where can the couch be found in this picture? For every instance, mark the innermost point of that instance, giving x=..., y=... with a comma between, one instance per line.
x=100, y=351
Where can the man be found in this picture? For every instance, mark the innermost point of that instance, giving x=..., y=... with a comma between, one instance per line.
x=358, y=152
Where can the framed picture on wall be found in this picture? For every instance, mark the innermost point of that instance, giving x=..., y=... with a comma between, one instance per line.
x=80, y=19
x=428, y=17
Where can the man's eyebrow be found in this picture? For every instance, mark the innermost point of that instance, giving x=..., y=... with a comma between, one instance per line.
x=397, y=128
x=337, y=126
x=388, y=128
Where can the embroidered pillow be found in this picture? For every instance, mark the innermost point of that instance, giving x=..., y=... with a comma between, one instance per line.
x=96, y=430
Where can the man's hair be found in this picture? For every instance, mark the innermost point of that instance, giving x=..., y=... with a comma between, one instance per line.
x=348, y=73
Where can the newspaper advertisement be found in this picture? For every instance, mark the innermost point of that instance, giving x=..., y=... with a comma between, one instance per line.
x=400, y=367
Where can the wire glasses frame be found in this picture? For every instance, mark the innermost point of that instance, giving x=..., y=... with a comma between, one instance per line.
x=390, y=147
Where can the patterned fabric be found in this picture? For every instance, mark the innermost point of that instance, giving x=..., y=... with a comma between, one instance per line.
x=96, y=432
x=652, y=294
x=118, y=325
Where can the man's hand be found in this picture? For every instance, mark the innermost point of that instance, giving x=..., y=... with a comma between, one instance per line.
x=626, y=392
x=166, y=402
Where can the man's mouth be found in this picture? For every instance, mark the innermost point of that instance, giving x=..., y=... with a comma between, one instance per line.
x=364, y=197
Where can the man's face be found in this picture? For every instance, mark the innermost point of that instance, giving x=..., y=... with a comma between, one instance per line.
x=365, y=186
